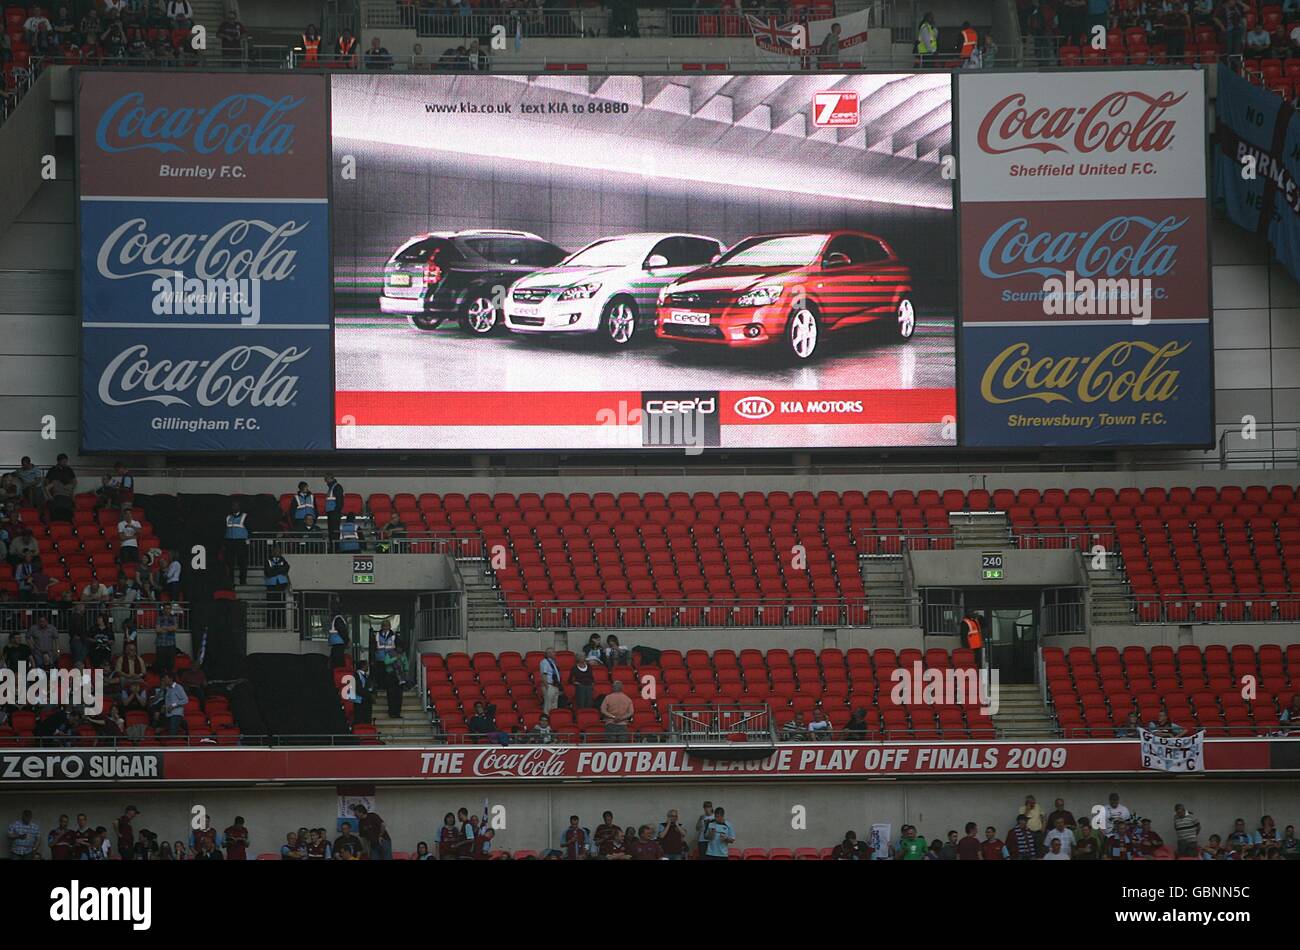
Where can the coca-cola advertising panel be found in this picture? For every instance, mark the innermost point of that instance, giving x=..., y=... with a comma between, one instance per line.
x=1095, y=249
x=618, y=763
x=1109, y=384
x=1082, y=136
x=204, y=270
x=189, y=134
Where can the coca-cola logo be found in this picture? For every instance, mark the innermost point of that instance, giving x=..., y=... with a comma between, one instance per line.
x=1120, y=121
x=241, y=122
x=232, y=378
x=243, y=247
x=1123, y=246
x=526, y=763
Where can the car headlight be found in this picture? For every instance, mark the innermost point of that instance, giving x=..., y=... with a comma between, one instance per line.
x=579, y=292
x=760, y=296
x=663, y=296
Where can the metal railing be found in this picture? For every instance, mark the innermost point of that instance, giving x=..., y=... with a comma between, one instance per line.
x=706, y=723
x=460, y=544
x=1064, y=611
x=789, y=612
x=1266, y=446
x=1218, y=608
x=890, y=541
x=439, y=622
x=1212, y=731
x=145, y=614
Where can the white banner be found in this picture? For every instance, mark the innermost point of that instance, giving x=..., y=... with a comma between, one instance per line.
x=1090, y=136
x=781, y=41
x=1184, y=754
x=878, y=840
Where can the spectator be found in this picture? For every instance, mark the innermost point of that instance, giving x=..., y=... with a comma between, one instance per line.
x=236, y=840
x=44, y=641
x=419, y=61
x=18, y=650
x=574, y=841
x=1187, y=830
x=484, y=723
x=164, y=643
x=1021, y=841
x=1034, y=814
x=128, y=679
x=1230, y=20
x=1176, y=24
x=850, y=849
x=1165, y=728
x=292, y=849
x=422, y=852
x=646, y=846
x=1120, y=845
x=374, y=833
x=1115, y=813
x=1061, y=833
x=125, y=835
x=1259, y=42
x=856, y=728
x=1290, y=717
x=128, y=531
x=672, y=838
x=992, y=847
x=361, y=710
x=377, y=56
x=348, y=537
x=173, y=704
x=948, y=849
x=81, y=836
x=1239, y=836
x=701, y=829
x=541, y=733
x=1145, y=839
x=119, y=489
x=583, y=678
x=449, y=837
x=819, y=727
x=345, y=50
x=234, y=36
x=1042, y=27
x=829, y=50
x=24, y=837
x=1213, y=851
x=172, y=576
x=1289, y=847
x=927, y=40
x=720, y=836
x=989, y=56
x=347, y=844
x=318, y=846
x=1060, y=811
x=62, y=841
x=968, y=848
x=614, y=654
x=1131, y=728
x=178, y=10
x=1088, y=841
x=548, y=672
x=606, y=834
x=796, y=730
x=912, y=846
x=392, y=530
x=1055, y=851
x=30, y=478
x=616, y=711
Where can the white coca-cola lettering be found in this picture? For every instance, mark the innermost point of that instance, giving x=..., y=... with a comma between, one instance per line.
x=217, y=381
x=523, y=764
x=1120, y=121
x=231, y=251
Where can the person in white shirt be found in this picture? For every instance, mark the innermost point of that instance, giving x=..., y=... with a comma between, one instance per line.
x=127, y=530
x=1116, y=813
x=549, y=673
x=819, y=722
x=1062, y=834
x=173, y=578
x=94, y=591
x=1056, y=851
x=179, y=8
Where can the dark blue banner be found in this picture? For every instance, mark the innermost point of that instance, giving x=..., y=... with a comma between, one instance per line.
x=206, y=390
x=1099, y=385
x=1256, y=164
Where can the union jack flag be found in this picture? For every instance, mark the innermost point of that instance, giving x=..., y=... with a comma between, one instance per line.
x=769, y=36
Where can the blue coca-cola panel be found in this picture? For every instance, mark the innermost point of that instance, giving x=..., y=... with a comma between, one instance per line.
x=223, y=390
x=1115, y=384
x=187, y=264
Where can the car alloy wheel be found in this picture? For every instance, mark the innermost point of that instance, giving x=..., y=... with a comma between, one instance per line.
x=620, y=322
x=906, y=319
x=802, y=333
x=422, y=321
x=481, y=316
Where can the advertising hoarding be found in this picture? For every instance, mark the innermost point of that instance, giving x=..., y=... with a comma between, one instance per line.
x=204, y=262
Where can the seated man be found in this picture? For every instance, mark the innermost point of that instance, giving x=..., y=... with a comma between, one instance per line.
x=1164, y=727
x=1258, y=41
x=795, y=730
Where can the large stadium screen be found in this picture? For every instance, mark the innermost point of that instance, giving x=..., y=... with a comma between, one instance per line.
x=581, y=262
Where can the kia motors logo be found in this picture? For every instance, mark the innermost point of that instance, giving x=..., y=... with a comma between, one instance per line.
x=1120, y=121
x=754, y=407
x=835, y=109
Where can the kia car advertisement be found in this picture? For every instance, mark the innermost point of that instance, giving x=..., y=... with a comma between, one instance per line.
x=604, y=262
x=204, y=271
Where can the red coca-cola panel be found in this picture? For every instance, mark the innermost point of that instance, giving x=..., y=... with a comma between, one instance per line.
x=1084, y=261
x=185, y=135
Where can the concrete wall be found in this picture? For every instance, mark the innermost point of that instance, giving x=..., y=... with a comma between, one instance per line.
x=761, y=813
x=401, y=572
x=961, y=568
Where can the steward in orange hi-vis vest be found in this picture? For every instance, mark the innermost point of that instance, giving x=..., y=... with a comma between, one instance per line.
x=971, y=631
x=969, y=39
x=311, y=46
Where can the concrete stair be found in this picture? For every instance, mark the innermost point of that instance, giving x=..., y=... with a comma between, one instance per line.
x=413, y=727
x=980, y=529
x=1110, y=594
x=483, y=605
x=1022, y=714
x=886, y=590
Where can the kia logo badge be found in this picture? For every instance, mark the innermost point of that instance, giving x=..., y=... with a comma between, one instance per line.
x=755, y=407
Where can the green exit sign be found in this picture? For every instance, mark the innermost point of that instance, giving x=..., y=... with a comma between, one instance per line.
x=991, y=565
x=363, y=578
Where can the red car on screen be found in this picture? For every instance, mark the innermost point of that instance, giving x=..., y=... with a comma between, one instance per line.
x=788, y=290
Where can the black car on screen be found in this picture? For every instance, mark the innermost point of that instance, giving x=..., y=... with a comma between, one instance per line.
x=461, y=276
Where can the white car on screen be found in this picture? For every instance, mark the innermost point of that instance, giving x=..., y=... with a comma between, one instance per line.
x=608, y=288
